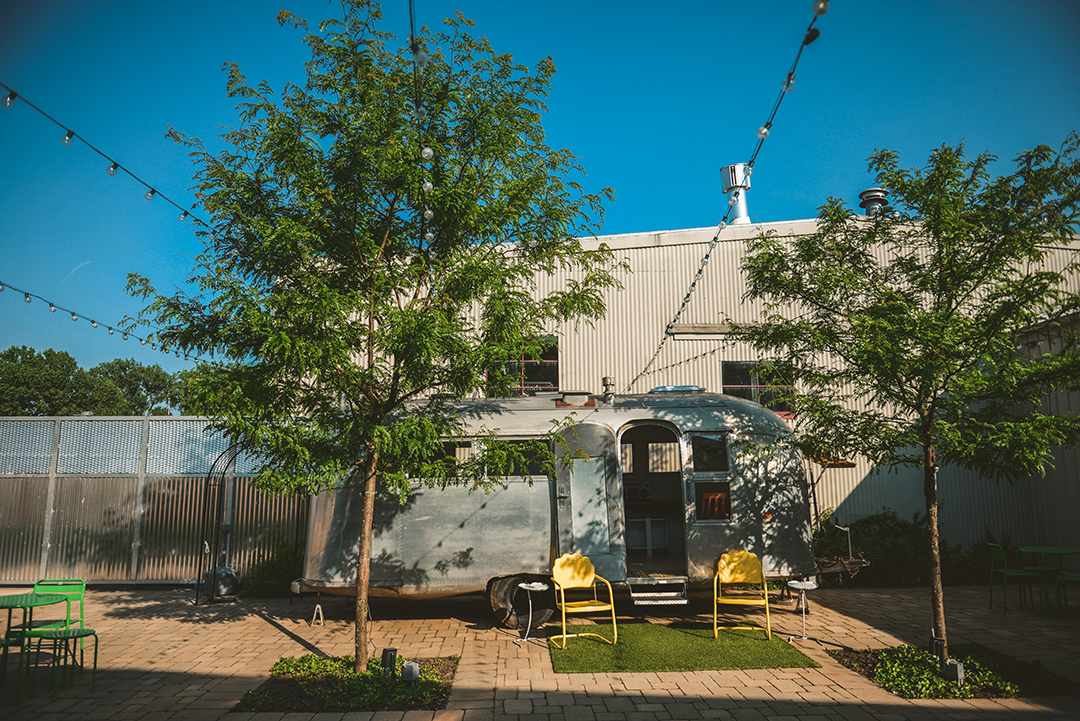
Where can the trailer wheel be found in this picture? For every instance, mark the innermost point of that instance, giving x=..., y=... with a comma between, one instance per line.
x=511, y=604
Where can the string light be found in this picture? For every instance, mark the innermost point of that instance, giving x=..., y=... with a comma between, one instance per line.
x=113, y=167
x=820, y=7
x=427, y=153
x=53, y=307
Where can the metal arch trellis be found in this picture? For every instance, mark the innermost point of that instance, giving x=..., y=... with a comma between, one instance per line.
x=214, y=494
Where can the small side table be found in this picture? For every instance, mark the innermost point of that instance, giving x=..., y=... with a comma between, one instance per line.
x=529, y=589
x=802, y=587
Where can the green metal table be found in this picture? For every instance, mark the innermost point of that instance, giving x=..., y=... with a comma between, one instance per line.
x=27, y=602
x=1044, y=569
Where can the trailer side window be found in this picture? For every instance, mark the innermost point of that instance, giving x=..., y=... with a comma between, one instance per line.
x=712, y=490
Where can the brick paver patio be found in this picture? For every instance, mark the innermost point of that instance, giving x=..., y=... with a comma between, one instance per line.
x=164, y=658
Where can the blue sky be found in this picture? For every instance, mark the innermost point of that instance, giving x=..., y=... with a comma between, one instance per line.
x=654, y=98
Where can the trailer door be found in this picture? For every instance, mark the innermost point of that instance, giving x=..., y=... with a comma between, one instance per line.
x=587, y=493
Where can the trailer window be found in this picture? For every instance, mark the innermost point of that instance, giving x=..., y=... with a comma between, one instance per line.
x=531, y=457
x=527, y=374
x=712, y=490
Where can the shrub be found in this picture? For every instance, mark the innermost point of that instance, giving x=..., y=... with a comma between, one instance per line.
x=897, y=552
x=272, y=575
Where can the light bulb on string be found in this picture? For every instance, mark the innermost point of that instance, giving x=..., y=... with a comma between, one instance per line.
x=27, y=297
x=149, y=195
x=420, y=57
x=428, y=213
x=9, y=99
x=1, y=287
x=789, y=83
x=429, y=236
x=93, y=324
x=125, y=336
x=733, y=200
x=68, y=137
x=142, y=341
x=74, y=318
x=111, y=331
x=427, y=153
x=748, y=171
x=52, y=308
x=183, y=217
x=762, y=132
x=111, y=170
x=428, y=187
x=420, y=112
x=821, y=7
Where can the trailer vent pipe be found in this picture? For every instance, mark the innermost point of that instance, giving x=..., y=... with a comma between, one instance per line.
x=735, y=181
x=874, y=200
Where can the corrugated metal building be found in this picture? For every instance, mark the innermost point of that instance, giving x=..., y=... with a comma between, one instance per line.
x=1039, y=511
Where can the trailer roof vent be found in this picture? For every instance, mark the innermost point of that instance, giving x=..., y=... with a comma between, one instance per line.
x=576, y=398
x=678, y=389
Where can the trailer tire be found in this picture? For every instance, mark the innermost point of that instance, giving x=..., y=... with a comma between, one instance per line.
x=511, y=603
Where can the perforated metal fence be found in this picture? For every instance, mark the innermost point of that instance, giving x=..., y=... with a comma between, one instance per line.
x=129, y=500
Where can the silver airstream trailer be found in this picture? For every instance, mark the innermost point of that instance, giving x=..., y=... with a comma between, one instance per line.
x=671, y=479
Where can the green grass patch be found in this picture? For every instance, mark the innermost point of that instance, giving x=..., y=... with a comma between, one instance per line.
x=913, y=672
x=318, y=683
x=680, y=646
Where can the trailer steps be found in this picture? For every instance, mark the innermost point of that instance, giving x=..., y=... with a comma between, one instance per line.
x=658, y=590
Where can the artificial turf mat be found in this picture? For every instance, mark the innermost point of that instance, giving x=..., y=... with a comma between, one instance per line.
x=680, y=646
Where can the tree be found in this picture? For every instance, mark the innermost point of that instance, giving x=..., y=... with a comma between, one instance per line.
x=146, y=388
x=903, y=328
x=51, y=383
x=347, y=296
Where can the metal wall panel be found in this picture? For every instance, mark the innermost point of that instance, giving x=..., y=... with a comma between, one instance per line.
x=182, y=448
x=22, y=525
x=99, y=447
x=171, y=531
x=92, y=529
x=26, y=446
x=261, y=521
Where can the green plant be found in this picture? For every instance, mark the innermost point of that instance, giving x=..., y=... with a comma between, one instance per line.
x=913, y=672
x=330, y=683
x=272, y=575
x=896, y=550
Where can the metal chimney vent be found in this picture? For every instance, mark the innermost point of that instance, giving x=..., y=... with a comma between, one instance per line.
x=874, y=200
x=733, y=178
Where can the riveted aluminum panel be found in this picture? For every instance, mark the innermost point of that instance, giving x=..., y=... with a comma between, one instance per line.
x=261, y=522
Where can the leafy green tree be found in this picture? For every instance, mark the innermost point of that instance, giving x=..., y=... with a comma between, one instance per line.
x=148, y=389
x=904, y=329
x=345, y=296
x=51, y=383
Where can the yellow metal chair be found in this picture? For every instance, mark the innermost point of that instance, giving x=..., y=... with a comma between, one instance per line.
x=574, y=571
x=740, y=566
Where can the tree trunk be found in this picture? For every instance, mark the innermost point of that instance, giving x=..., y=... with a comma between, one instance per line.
x=937, y=593
x=363, y=563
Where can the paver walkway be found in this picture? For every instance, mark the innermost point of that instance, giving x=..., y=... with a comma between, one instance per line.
x=163, y=658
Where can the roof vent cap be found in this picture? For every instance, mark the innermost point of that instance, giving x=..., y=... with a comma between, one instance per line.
x=874, y=200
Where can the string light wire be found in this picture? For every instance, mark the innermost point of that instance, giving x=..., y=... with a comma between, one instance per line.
x=75, y=316
x=114, y=165
x=820, y=7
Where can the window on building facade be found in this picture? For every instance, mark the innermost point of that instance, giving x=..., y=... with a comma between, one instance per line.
x=712, y=487
x=529, y=374
x=758, y=381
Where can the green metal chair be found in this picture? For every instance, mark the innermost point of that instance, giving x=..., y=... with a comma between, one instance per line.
x=1064, y=577
x=74, y=589
x=64, y=643
x=1000, y=565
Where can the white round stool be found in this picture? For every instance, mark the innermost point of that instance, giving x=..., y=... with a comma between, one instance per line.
x=529, y=589
x=802, y=587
